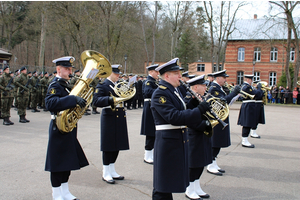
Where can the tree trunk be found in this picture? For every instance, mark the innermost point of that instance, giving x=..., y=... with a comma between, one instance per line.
x=143, y=30
x=154, y=32
x=43, y=38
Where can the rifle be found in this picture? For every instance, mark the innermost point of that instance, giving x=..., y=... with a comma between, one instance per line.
x=37, y=83
x=9, y=86
x=28, y=82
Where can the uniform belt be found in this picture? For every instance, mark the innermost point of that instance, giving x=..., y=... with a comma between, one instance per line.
x=168, y=127
x=53, y=117
x=249, y=101
x=118, y=106
x=148, y=99
x=259, y=101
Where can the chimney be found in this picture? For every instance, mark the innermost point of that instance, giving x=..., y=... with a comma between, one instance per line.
x=255, y=16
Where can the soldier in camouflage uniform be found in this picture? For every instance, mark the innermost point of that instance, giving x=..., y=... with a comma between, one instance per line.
x=22, y=84
x=52, y=77
x=44, y=86
x=29, y=75
x=15, y=91
x=6, y=87
x=34, y=91
x=39, y=103
x=74, y=79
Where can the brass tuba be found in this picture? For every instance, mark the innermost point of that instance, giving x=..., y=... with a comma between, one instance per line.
x=95, y=66
x=124, y=93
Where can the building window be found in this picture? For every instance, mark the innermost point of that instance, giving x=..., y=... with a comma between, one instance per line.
x=240, y=77
x=273, y=54
x=241, y=54
x=292, y=55
x=256, y=76
x=257, y=53
x=201, y=67
x=215, y=68
x=272, y=78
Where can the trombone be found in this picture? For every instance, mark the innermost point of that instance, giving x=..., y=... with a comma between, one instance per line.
x=243, y=93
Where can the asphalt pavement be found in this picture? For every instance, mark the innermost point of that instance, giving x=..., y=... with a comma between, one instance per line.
x=269, y=171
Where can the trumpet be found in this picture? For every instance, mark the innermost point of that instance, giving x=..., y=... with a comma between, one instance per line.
x=264, y=85
x=217, y=114
x=243, y=94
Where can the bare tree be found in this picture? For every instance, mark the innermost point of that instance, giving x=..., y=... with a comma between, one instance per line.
x=143, y=30
x=220, y=27
x=288, y=8
x=43, y=35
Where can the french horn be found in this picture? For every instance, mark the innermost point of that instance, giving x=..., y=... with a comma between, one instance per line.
x=124, y=92
x=95, y=66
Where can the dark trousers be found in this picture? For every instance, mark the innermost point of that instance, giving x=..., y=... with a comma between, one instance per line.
x=195, y=173
x=149, y=143
x=161, y=196
x=215, y=152
x=246, y=131
x=109, y=157
x=57, y=178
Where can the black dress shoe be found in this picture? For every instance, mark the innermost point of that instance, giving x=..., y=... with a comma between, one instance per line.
x=251, y=146
x=221, y=170
x=109, y=181
x=86, y=113
x=204, y=196
x=151, y=163
x=119, y=178
x=95, y=112
x=255, y=137
x=215, y=173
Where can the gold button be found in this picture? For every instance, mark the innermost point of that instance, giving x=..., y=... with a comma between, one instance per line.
x=182, y=131
x=123, y=109
x=188, y=140
x=117, y=115
x=124, y=115
x=183, y=141
x=116, y=109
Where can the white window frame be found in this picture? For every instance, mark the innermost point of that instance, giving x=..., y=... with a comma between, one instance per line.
x=292, y=55
x=256, y=76
x=272, y=78
x=273, y=54
x=240, y=77
x=200, y=67
x=220, y=67
x=241, y=54
x=257, y=54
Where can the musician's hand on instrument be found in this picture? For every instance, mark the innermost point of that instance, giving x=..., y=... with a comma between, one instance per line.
x=223, y=99
x=259, y=86
x=203, y=107
x=111, y=101
x=236, y=89
x=80, y=101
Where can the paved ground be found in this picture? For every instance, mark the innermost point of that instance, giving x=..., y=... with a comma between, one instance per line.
x=270, y=171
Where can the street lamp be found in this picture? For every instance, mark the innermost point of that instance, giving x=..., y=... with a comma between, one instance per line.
x=253, y=62
x=125, y=57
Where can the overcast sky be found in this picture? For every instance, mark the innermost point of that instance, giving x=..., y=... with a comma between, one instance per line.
x=261, y=8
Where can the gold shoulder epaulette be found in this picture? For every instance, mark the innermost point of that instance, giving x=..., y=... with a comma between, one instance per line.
x=163, y=87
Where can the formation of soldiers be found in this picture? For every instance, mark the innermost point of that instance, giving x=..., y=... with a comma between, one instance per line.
x=25, y=90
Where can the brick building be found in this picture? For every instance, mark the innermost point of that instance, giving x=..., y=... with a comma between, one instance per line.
x=257, y=46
